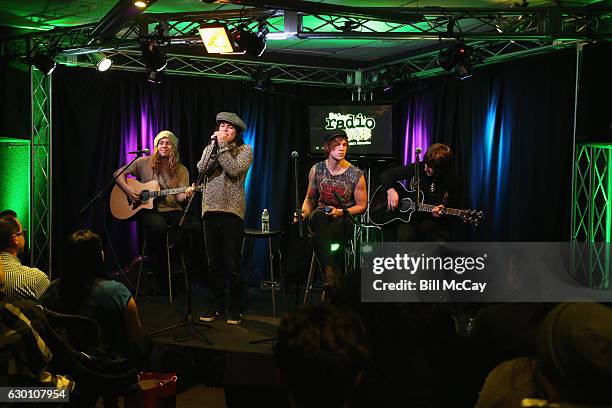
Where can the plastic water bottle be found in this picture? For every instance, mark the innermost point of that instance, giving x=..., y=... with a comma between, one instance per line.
x=265, y=221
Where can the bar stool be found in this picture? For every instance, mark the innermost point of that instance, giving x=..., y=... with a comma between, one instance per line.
x=255, y=234
x=349, y=251
x=169, y=246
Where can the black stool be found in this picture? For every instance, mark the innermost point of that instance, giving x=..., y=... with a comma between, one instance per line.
x=169, y=245
x=254, y=234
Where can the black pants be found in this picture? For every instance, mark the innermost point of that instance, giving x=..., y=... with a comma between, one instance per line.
x=223, y=234
x=423, y=230
x=325, y=230
x=155, y=225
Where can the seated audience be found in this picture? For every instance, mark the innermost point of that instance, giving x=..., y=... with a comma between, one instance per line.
x=21, y=282
x=83, y=289
x=25, y=354
x=321, y=353
x=572, y=367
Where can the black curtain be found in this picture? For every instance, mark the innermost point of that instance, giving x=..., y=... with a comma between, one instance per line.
x=510, y=127
x=93, y=111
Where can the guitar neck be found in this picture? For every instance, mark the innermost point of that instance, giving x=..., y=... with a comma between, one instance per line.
x=162, y=193
x=430, y=207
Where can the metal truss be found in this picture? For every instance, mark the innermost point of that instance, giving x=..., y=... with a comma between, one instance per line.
x=592, y=214
x=40, y=171
x=496, y=34
x=130, y=60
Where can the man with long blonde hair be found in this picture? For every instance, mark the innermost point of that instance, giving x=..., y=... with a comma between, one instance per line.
x=163, y=166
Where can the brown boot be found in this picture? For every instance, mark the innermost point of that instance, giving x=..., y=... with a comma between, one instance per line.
x=329, y=276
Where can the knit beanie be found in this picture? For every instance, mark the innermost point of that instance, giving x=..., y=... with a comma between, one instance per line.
x=167, y=134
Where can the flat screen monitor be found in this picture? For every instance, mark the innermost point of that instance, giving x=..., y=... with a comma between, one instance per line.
x=369, y=127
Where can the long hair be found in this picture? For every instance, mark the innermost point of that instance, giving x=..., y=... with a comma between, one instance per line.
x=85, y=264
x=173, y=161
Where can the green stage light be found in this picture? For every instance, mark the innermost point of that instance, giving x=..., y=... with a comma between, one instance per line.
x=335, y=246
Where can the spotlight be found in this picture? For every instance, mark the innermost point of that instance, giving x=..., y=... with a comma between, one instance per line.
x=216, y=39
x=140, y=4
x=156, y=77
x=261, y=80
x=253, y=44
x=153, y=57
x=102, y=62
x=459, y=57
x=44, y=63
x=386, y=80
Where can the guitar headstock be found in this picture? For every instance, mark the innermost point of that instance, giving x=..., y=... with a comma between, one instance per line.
x=472, y=216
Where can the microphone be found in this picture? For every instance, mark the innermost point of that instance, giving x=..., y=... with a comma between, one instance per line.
x=418, y=150
x=344, y=209
x=294, y=154
x=141, y=151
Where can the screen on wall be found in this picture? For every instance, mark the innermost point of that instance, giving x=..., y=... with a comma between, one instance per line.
x=369, y=127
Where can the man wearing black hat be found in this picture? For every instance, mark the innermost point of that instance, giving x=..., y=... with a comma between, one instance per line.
x=333, y=183
x=225, y=162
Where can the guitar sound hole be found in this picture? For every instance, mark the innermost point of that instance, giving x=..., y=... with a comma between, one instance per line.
x=405, y=205
x=144, y=196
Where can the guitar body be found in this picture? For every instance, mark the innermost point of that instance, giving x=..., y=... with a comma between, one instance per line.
x=380, y=215
x=122, y=207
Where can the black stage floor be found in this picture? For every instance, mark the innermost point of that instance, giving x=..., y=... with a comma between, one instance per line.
x=258, y=324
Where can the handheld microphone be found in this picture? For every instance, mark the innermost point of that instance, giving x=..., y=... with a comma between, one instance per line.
x=145, y=151
x=294, y=154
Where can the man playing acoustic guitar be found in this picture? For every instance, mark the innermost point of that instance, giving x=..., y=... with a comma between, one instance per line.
x=163, y=166
x=437, y=186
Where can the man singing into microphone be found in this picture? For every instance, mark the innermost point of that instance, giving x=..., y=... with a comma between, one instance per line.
x=165, y=168
x=225, y=162
x=332, y=184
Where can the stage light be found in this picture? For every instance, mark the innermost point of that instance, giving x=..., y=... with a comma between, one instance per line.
x=334, y=246
x=156, y=77
x=43, y=62
x=253, y=44
x=216, y=39
x=140, y=4
x=459, y=57
x=386, y=80
x=102, y=62
x=261, y=80
x=153, y=57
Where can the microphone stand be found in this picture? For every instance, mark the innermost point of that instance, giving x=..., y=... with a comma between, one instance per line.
x=189, y=323
x=110, y=183
x=298, y=212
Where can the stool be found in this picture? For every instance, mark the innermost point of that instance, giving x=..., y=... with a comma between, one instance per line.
x=349, y=255
x=253, y=233
x=168, y=247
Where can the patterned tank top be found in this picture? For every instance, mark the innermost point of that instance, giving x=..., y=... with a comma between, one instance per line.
x=343, y=184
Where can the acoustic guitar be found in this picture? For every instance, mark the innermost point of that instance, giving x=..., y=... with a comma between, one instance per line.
x=407, y=205
x=123, y=207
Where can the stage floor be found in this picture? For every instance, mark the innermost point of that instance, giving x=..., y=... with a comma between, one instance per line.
x=258, y=324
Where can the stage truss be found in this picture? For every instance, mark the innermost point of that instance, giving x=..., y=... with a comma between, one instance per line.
x=40, y=171
x=495, y=34
x=592, y=214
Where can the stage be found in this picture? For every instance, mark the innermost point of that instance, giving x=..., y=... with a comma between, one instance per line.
x=240, y=358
